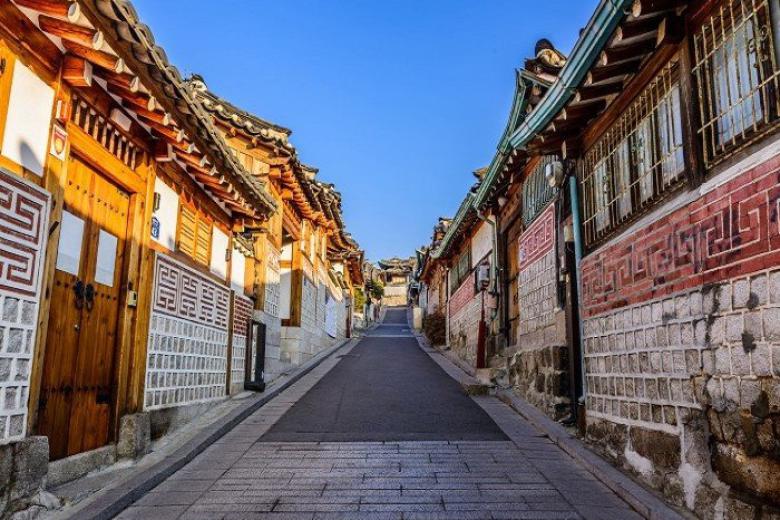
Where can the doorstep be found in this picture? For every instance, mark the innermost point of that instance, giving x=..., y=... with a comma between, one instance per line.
x=646, y=502
x=102, y=494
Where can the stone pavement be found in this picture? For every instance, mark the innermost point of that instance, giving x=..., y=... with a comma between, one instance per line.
x=519, y=475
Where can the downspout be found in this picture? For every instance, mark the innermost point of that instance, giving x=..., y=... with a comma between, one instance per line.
x=493, y=254
x=493, y=282
x=577, y=225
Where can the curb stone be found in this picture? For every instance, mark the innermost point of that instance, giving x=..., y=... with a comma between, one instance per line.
x=642, y=500
x=646, y=502
x=117, y=499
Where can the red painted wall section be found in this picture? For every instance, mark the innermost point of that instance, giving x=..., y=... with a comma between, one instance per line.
x=462, y=296
x=729, y=232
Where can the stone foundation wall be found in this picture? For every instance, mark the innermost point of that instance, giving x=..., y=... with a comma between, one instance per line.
x=538, y=368
x=465, y=312
x=682, y=347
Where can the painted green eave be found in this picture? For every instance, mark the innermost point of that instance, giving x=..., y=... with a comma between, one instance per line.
x=602, y=24
x=465, y=207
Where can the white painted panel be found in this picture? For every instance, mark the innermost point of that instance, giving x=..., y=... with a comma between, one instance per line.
x=106, y=258
x=285, y=287
x=219, y=247
x=481, y=244
x=331, y=312
x=238, y=270
x=29, y=119
x=69, y=247
x=167, y=214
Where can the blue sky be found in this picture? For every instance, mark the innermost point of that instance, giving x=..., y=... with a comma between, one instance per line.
x=396, y=102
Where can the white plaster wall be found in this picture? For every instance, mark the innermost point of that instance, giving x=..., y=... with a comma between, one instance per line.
x=481, y=244
x=167, y=214
x=219, y=247
x=28, y=119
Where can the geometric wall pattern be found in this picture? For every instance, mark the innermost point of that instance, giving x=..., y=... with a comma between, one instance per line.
x=272, y=276
x=24, y=217
x=731, y=231
x=187, y=348
x=537, y=280
x=242, y=315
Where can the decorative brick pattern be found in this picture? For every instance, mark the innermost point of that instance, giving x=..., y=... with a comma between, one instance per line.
x=537, y=294
x=24, y=217
x=242, y=315
x=462, y=296
x=272, y=277
x=538, y=239
x=187, y=348
x=731, y=231
x=464, y=325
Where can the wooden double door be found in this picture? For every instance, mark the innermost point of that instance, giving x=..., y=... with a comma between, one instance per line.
x=78, y=385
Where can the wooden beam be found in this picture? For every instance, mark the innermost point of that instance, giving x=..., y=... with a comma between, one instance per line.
x=77, y=71
x=575, y=112
x=601, y=90
x=612, y=71
x=161, y=118
x=671, y=31
x=636, y=28
x=59, y=8
x=168, y=132
x=649, y=7
x=133, y=98
x=163, y=151
x=99, y=58
x=628, y=50
x=193, y=160
x=124, y=81
x=72, y=32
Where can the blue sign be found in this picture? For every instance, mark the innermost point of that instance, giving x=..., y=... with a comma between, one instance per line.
x=155, y=227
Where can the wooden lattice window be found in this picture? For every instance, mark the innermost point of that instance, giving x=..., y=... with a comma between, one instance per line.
x=460, y=270
x=105, y=132
x=736, y=72
x=194, y=234
x=537, y=192
x=637, y=161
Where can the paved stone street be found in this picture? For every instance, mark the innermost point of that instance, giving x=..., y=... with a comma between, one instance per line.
x=379, y=431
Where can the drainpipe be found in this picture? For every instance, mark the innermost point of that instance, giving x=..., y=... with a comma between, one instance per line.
x=492, y=288
x=577, y=225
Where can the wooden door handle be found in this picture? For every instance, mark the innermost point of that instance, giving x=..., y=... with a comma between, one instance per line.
x=78, y=290
x=89, y=296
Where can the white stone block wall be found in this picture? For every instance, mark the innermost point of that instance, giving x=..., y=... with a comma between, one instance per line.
x=188, y=333
x=23, y=228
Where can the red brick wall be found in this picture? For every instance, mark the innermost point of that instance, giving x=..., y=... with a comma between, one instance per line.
x=462, y=296
x=731, y=231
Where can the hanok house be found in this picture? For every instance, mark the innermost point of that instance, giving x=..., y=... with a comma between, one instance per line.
x=431, y=275
x=128, y=227
x=395, y=275
x=457, y=278
x=305, y=263
x=660, y=131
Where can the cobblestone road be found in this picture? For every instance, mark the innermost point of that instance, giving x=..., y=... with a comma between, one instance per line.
x=246, y=476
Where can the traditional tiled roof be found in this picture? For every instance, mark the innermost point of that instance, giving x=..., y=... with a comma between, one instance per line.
x=134, y=42
x=231, y=114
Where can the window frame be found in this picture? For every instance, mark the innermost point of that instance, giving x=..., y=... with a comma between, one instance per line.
x=766, y=92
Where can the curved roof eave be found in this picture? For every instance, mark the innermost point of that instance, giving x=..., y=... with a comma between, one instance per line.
x=602, y=24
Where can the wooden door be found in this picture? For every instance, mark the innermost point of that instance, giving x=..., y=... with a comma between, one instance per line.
x=78, y=374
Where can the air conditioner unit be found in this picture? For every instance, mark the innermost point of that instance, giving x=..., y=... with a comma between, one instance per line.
x=483, y=277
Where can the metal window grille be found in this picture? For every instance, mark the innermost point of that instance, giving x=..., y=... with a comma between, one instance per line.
x=736, y=74
x=537, y=192
x=105, y=133
x=637, y=161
